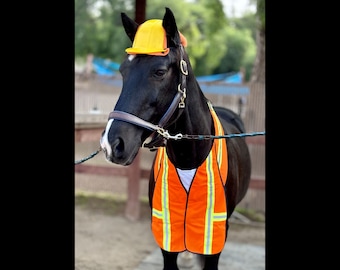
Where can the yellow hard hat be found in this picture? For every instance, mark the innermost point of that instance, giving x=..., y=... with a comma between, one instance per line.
x=151, y=39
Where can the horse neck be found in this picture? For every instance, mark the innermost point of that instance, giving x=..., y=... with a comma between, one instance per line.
x=195, y=119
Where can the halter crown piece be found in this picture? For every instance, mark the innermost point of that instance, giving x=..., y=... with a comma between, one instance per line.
x=151, y=39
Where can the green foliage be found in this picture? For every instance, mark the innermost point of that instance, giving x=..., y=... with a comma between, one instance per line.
x=241, y=52
x=84, y=27
x=248, y=21
x=216, y=43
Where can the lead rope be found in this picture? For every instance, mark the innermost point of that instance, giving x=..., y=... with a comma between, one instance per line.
x=185, y=136
x=87, y=158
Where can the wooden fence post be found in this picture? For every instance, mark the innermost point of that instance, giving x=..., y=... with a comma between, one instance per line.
x=132, y=209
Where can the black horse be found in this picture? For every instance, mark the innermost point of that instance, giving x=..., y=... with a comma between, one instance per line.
x=161, y=106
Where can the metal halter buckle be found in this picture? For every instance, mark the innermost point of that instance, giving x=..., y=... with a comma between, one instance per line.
x=184, y=67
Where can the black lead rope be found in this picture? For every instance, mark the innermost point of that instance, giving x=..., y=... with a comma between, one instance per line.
x=209, y=137
x=87, y=158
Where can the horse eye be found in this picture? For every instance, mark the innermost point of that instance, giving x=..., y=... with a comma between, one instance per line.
x=160, y=72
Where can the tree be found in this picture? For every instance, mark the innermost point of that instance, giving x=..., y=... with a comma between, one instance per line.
x=215, y=43
x=98, y=28
x=258, y=73
x=202, y=22
x=241, y=50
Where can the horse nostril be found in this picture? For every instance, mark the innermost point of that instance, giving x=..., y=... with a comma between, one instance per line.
x=118, y=147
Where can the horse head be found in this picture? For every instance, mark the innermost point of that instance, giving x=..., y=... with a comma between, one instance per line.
x=151, y=91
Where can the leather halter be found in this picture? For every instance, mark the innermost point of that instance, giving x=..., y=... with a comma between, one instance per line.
x=159, y=136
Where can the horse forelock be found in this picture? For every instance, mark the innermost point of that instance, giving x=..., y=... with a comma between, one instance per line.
x=131, y=57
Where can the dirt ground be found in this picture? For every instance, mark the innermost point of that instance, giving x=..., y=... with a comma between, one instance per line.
x=106, y=240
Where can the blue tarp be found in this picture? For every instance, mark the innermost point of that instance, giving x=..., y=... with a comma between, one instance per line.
x=212, y=78
x=231, y=77
x=104, y=66
x=236, y=78
x=224, y=89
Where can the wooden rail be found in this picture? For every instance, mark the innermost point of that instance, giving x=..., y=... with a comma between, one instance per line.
x=133, y=172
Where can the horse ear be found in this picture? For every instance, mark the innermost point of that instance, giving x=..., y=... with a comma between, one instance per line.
x=170, y=26
x=130, y=26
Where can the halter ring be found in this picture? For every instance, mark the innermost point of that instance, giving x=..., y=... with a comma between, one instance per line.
x=184, y=67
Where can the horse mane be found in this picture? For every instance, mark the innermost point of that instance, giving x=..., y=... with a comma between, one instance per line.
x=231, y=117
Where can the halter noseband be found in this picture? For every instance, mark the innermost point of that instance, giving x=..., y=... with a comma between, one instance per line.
x=159, y=136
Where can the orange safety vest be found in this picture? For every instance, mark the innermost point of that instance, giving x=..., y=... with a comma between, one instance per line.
x=193, y=220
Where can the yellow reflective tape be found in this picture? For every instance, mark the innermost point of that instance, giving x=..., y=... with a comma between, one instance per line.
x=219, y=142
x=208, y=230
x=156, y=213
x=220, y=216
x=165, y=205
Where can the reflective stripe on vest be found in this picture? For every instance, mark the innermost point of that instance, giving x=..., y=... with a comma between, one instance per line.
x=193, y=220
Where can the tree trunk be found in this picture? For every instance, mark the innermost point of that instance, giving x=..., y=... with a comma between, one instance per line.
x=258, y=72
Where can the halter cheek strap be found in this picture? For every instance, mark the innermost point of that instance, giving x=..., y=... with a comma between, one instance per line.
x=158, y=139
x=181, y=92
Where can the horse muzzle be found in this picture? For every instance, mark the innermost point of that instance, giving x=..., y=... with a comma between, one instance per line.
x=120, y=142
